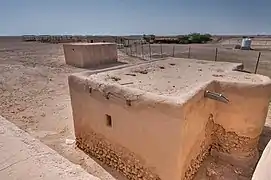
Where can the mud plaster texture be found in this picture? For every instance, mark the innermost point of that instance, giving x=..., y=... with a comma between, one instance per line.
x=162, y=119
x=114, y=156
x=89, y=55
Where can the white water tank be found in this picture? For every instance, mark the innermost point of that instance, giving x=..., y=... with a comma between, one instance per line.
x=246, y=43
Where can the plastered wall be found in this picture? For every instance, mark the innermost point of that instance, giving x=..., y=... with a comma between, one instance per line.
x=85, y=55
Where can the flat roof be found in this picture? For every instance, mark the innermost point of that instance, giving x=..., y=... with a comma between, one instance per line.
x=174, y=76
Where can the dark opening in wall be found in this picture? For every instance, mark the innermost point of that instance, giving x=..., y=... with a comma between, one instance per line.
x=91, y=40
x=107, y=95
x=108, y=120
x=128, y=102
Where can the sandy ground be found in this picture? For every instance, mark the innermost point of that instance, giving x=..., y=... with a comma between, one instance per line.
x=34, y=95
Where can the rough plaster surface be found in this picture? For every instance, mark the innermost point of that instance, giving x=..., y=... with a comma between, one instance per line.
x=262, y=171
x=86, y=55
x=23, y=157
x=162, y=125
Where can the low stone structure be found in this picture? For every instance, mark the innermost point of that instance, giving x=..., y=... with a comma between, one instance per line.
x=160, y=120
x=23, y=157
x=86, y=55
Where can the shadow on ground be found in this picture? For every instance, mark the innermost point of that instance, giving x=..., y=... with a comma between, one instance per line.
x=104, y=66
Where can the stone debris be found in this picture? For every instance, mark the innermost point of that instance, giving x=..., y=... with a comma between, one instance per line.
x=69, y=141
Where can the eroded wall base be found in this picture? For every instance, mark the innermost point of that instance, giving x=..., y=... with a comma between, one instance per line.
x=228, y=146
x=115, y=156
x=206, y=146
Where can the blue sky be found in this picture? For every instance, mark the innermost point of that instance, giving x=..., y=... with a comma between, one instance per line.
x=124, y=17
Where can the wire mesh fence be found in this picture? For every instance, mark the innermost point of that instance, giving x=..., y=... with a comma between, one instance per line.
x=254, y=61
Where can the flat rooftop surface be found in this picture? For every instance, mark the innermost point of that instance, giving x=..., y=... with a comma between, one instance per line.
x=175, y=76
x=25, y=158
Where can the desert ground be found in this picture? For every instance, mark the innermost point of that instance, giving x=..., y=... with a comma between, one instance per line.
x=34, y=93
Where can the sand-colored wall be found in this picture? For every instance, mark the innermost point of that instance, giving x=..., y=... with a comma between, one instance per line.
x=86, y=55
x=240, y=122
x=141, y=129
x=195, y=133
x=158, y=137
x=246, y=112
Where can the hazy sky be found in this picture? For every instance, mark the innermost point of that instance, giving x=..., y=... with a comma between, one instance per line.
x=123, y=17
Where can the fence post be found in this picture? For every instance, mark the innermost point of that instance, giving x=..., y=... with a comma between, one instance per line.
x=131, y=50
x=173, y=51
x=136, y=49
x=216, y=51
x=161, y=49
x=189, y=51
x=257, y=64
x=142, y=52
x=126, y=49
x=150, y=50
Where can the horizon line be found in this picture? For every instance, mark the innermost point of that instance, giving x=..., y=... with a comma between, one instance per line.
x=131, y=35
